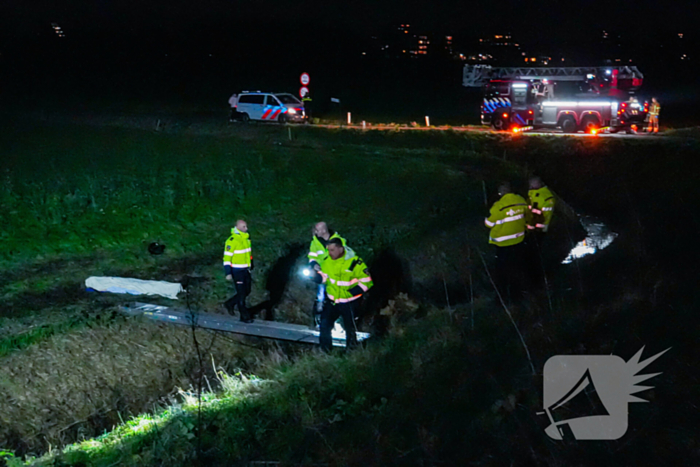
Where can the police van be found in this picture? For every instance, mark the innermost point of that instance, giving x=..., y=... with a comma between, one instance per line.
x=270, y=107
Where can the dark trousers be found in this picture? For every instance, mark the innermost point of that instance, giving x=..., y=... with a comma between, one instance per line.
x=329, y=315
x=234, y=114
x=511, y=265
x=537, y=261
x=243, y=282
x=319, y=304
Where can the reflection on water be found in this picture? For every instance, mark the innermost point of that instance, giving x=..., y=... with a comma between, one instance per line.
x=598, y=237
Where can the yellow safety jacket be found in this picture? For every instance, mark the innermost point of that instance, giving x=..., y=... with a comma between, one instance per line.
x=540, y=209
x=238, y=253
x=318, y=252
x=654, y=110
x=346, y=278
x=507, y=220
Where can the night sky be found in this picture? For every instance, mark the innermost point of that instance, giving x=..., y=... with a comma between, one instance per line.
x=207, y=20
x=128, y=45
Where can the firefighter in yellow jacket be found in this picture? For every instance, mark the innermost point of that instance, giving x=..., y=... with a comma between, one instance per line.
x=238, y=262
x=653, y=116
x=508, y=225
x=540, y=206
x=346, y=278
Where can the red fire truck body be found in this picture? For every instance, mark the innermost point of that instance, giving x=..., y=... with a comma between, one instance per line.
x=571, y=99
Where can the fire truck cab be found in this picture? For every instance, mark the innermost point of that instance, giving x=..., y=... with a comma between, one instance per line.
x=508, y=102
x=570, y=99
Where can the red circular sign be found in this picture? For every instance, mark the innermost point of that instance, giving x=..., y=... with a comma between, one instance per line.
x=305, y=79
x=303, y=91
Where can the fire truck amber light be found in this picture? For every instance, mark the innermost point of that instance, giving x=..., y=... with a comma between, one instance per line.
x=505, y=115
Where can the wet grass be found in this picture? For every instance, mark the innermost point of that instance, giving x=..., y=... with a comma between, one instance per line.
x=82, y=201
x=436, y=389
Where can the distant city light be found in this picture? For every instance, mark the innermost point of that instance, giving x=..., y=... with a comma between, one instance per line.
x=57, y=29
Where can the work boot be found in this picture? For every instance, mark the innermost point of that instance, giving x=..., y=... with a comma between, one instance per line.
x=229, y=307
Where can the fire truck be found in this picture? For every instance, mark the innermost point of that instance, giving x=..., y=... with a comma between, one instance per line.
x=568, y=98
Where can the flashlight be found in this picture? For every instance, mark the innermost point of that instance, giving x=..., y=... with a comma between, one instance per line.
x=306, y=272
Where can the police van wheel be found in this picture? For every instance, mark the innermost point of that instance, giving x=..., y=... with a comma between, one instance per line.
x=282, y=119
x=245, y=118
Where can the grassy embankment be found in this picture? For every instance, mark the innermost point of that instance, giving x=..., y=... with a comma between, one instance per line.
x=438, y=389
x=80, y=202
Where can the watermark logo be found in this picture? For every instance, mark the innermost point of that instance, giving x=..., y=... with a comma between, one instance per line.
x=586, y=396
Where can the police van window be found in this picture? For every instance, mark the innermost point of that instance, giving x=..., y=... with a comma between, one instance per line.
x=272, y=101
x=251, y=99
x=287, y=99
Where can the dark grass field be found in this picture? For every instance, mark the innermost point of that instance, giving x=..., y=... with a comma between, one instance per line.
x=450, y=384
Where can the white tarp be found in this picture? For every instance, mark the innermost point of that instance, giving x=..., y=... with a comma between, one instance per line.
x=134, y=286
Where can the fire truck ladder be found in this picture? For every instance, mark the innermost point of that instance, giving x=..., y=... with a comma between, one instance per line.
x=266, y=329
x=478, y=75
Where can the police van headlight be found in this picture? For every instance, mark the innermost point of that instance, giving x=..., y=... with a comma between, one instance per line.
x=292, y=111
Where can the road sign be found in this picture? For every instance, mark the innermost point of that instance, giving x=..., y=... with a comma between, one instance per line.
x=303, y=91
x=305, y=79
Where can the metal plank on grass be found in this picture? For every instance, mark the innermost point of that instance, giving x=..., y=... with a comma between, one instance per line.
x=265, y=329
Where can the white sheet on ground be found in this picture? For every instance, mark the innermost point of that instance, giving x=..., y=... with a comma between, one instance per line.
x=134, y=286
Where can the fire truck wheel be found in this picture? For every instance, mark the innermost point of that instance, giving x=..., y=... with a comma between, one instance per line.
x=589, y=124
x=568, y=125
x=498, y=124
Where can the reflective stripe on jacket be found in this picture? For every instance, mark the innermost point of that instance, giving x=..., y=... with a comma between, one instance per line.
x=237, y=251
x=346, y=278
x=318, y=252
x=507, y=220
x=541, y=208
